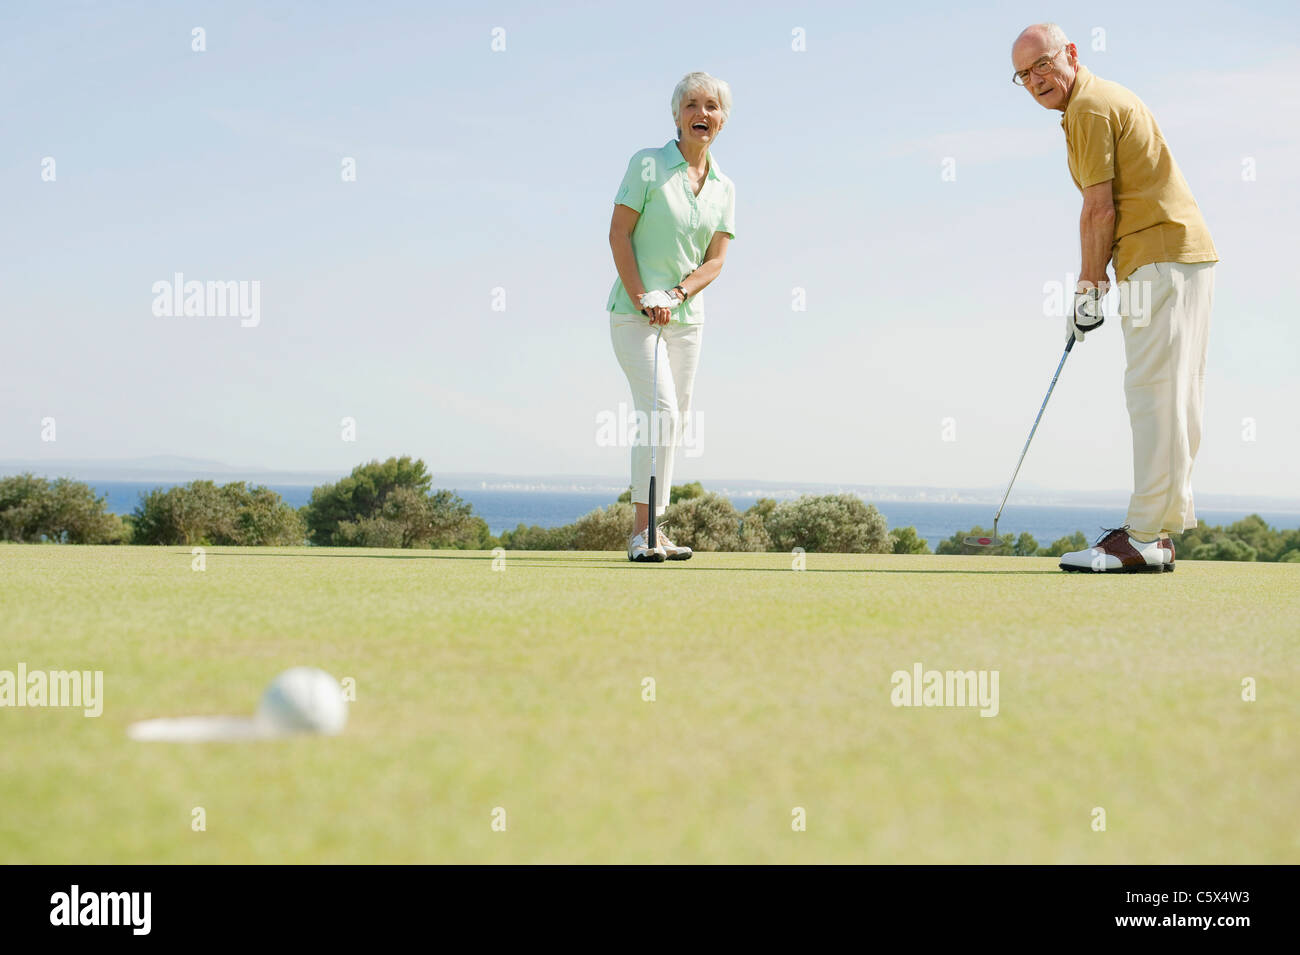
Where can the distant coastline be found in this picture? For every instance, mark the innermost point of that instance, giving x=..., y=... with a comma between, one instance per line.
x=166, y=469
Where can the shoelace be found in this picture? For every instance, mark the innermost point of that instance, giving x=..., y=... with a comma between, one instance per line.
x=661, y=539
x=1107, y=531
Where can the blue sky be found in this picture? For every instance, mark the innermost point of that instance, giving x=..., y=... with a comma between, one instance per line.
x=479, y=169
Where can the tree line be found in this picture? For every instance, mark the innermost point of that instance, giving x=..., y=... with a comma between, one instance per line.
x=394, y=504
x=1251, y=538
x=380, y=504
x=705, y=521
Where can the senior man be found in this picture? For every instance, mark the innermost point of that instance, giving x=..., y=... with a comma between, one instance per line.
x=1139, y=214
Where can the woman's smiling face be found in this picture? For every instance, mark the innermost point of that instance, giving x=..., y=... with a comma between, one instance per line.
x=701, y=119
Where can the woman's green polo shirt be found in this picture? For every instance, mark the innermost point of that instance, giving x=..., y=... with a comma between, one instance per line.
x=676, y=226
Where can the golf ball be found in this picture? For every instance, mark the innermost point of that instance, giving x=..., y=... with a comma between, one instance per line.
x=304, y=700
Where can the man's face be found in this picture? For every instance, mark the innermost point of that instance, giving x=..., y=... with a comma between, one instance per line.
x=1051, y=90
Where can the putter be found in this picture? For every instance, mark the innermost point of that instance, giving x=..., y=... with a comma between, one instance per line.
x=995, y=541
x=652, y=534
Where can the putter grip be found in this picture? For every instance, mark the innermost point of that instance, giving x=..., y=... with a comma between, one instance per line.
x=651, y=535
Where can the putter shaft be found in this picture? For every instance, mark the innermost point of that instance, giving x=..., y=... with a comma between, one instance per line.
x=652, y=535
x=1064, y=355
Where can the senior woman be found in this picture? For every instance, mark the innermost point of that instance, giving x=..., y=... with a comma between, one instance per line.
x=673, y=218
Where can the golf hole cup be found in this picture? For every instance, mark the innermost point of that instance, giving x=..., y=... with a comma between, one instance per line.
x=303, y=700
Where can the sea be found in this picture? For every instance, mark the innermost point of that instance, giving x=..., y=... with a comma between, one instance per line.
x=934, y=520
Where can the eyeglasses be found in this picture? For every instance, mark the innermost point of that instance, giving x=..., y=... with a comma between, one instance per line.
x=1042, y=66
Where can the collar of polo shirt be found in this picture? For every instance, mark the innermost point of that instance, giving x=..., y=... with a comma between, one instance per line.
x=1082, y=78
x=678, y=159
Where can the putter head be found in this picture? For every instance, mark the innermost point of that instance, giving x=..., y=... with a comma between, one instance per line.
x=990, y=540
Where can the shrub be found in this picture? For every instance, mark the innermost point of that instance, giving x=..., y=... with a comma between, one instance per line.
x=370, y=532
x=605, y=528
x=685, y=492
x=753, y=534
x=392, y=502
x=906, y=541
x=833, y=523
x=263, y=518
x=1025, y=546
x=202, y=513
x=1258, y=536
x=34, y=509
x=24, y=507
x=677, y=492
x=541, y=538
x=1250, y=535
x=362, y=494
x=1064, y=545
x=476, y=535
x=451, y=521
x=193, y=513
x=1223, y=548
x=407, y=517
x=707, y=522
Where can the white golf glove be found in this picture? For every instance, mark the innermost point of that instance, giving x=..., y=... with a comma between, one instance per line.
x=1087, y=314
x=658, y=299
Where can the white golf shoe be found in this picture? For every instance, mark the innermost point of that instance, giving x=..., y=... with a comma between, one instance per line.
x=639, y=551
x=1117, y=551
x=674, y=551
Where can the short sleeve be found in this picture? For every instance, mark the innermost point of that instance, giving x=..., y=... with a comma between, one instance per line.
x=635, y=186
x=1092, y=145
x=728, y=223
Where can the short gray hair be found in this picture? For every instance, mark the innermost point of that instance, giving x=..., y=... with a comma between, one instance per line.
x=709, y=85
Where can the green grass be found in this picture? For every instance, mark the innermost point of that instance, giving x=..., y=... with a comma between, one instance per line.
x=522, y=689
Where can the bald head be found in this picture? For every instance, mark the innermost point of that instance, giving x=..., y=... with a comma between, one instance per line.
x=1048, y=36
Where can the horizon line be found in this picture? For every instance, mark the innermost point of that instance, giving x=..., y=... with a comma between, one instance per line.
x=181, y=468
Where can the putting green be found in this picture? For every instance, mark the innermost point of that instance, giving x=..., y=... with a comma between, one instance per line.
x=522, y=688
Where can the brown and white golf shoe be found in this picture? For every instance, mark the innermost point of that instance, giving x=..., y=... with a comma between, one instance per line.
x=1116, y=552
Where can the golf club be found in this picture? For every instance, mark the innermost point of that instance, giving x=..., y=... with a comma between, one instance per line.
x=652, y=533
x=994, y=541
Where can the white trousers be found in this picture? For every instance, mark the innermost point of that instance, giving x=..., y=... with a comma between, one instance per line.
x=679, y=354
x=1166, y=336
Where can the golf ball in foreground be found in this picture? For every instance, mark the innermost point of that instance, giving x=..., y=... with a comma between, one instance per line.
x=304, y=700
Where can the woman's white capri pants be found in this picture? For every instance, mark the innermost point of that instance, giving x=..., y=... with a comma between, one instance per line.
x=679, y=352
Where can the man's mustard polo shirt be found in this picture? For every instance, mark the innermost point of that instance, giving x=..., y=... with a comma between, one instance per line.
x=676, y=226
x=1110, y=134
